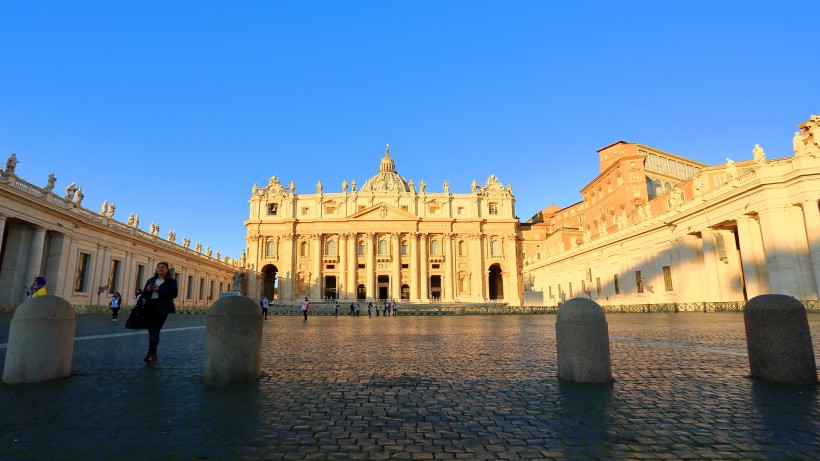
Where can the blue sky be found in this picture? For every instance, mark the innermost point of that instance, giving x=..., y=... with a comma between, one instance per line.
x=173, y=110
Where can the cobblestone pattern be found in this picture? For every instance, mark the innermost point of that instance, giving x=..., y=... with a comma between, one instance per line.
x=415, y=388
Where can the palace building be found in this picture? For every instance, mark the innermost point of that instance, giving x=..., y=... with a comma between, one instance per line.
x=389, y=238
x=654, y=227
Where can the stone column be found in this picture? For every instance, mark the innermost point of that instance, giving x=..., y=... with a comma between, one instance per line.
x=35, y=256
x=2, y=230
x=414, y=265
x=811, y=216
x=477, y=259
x=353, y=264
x=316, y=283
x=511, y=289
x=757, y=243
x=342, y=289
x=448, y=268
x=780, y=252
x=802, y=252
x=748, y=257
x=712, y=288
x=371, y=266
x=395, y=279
x=425, y=264
x=285, y=253
x=688, y=278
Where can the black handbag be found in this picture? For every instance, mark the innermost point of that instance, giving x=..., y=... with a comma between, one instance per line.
x=138, y=319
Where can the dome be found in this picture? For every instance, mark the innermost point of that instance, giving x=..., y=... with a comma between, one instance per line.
x=386, y=180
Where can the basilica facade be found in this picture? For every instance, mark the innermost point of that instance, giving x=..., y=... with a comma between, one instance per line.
x=388, y=239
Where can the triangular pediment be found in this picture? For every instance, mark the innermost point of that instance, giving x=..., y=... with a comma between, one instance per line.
x=384, y=212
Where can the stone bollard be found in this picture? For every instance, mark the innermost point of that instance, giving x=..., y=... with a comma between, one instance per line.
x=582, y=337
x=233, y=341
x=41, y=341
x=778, y=340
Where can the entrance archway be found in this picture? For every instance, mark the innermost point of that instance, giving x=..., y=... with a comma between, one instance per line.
x=496, y=282
x=435, y=287
x=270, y=282
x=330, y=287
x=361, y=292
x=383, y=284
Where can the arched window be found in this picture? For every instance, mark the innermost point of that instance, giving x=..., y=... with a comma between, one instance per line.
x=462, y=251
x=303, y=249
x=495, y=248
x=270, y=251
x=330, y=249
x=650, y=188
x=361, y=248
x=435, y=248
x=667, y=186
x=382, y=247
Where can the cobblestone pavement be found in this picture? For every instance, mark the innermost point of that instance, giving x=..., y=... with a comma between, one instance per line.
x=481, y=387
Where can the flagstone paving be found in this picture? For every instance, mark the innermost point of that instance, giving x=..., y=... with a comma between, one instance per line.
x=415, y=388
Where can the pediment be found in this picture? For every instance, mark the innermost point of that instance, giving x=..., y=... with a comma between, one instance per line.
x=384, y=212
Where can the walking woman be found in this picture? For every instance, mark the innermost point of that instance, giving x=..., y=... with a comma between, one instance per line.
x=160, y=291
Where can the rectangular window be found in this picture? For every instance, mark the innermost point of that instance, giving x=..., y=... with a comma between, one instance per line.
x=598, y=283
x=211, y=291
x=436, y=266
x=404, y=249
x=140, y=281
x=190, y=292
x=330, y=266
x=361, y=207
x=201, y=289
x=273, y=209
x=220, y=287
x=664, y=167
x=305, y=211
x=114, y=277
x=639, y=281
x=405, y=266
x=721, y=248
x=617, y=282
x=493, y=208
x=667, y=277
x=652, y=162
x=404, y=207
x=330, y=209
x=361, y=266
x=83, y=268
x=461, y=210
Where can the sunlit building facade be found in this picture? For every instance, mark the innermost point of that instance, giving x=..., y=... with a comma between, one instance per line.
x=388, y=239
x=654, y=227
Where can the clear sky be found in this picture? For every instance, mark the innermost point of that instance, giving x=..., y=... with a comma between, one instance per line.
x=173, y=110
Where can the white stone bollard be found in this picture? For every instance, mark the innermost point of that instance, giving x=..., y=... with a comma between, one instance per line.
x=233, y=341
x=778, y=340
x=41, y=341
x=582, y=338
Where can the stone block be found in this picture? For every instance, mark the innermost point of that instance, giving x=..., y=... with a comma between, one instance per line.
x=41, y=341
x=582, y=337
x=233, y=341
x=778, y=340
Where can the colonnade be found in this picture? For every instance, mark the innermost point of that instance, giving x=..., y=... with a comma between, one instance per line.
x=407, y=259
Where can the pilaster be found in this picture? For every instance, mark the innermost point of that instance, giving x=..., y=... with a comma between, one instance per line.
x=395, y=279
x=424, y=265
x=811, y=216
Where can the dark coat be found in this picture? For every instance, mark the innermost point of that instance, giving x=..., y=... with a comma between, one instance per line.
x=166, y=294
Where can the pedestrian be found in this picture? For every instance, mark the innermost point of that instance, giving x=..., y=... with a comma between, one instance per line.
x=384, y=309
x=395, y=307
x=305, y=308
x=37, y=288
x=115, y=304
x=351, y=309
x=370, y=310
x=377, y=308
x=336, y=309
x=160, y=291
x=358, y=307
x=265, y=306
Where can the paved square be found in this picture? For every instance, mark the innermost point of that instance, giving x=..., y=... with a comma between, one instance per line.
x=475, y=387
